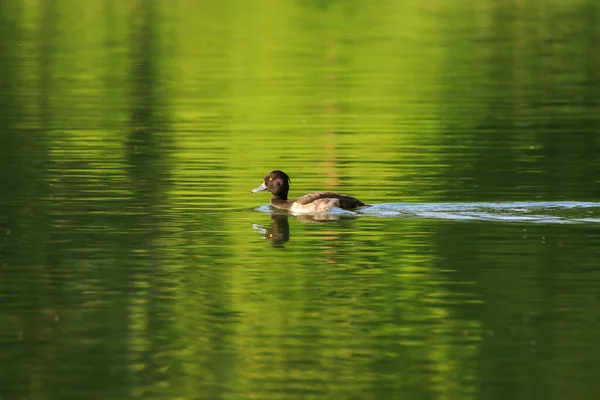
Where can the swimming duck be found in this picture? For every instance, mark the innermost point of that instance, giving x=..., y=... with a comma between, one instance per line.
x=278, y=183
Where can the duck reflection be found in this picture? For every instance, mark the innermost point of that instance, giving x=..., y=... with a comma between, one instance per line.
x=279, y=231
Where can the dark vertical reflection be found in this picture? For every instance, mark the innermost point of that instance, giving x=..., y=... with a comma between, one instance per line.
x=29, y=298
x=13, y=376
x=590, y=36
x=148, y=168
x=23, y=150
x=570, y=140
x=85, y=249
x=202, y=284
x=10, y=103
x=115, y=71
x=487, y=169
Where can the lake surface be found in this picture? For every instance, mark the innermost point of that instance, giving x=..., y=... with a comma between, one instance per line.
x=135, y=263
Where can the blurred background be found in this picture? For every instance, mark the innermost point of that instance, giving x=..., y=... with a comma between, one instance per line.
x=134, y=262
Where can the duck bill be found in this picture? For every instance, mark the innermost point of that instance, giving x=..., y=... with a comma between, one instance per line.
x=259, y=188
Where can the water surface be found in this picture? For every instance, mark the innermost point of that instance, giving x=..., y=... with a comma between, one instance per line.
x=134, y=262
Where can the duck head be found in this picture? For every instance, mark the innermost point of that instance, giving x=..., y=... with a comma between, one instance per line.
x=277, y=182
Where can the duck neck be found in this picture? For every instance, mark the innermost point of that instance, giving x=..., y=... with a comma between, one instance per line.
x=281, y=196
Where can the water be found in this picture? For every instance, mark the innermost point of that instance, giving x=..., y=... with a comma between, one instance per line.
x=540, y=212
x=134, y=262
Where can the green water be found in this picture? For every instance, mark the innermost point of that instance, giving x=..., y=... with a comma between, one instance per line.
x=135, y=263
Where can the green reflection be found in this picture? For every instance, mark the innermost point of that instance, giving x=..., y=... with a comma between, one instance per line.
x=131, y=130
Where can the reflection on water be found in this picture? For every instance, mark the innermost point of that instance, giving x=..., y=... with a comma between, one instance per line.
x=129, y=134
x=278, y=232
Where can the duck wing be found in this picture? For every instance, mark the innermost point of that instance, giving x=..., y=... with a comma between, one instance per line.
x=346, y=202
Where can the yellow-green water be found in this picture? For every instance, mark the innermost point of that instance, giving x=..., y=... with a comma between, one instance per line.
x=135, y=263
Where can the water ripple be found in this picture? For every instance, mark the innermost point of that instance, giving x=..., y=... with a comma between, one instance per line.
x=529, y=212
x=544, y=212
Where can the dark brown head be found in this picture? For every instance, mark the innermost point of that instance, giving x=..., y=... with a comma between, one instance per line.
x=276, y=182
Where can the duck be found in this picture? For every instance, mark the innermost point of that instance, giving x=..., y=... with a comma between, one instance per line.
x=278, y=183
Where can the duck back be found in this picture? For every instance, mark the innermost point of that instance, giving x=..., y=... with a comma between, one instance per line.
x=344, y=201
